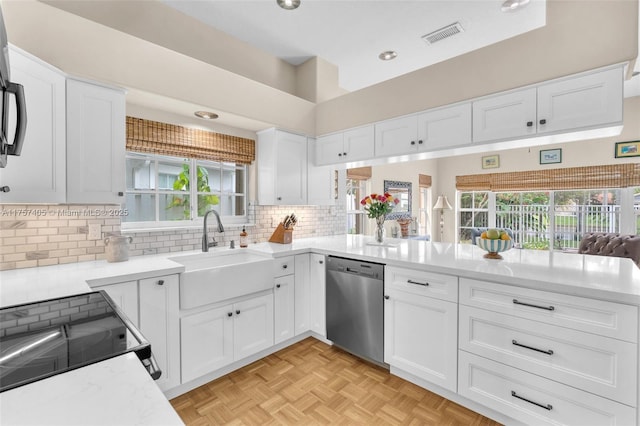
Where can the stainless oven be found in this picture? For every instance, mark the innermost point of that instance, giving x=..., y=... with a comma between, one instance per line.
x=41, y=339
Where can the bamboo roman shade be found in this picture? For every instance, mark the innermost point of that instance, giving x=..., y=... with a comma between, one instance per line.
x=359, y=173
x=591, y=177
x=177, y=141
x=424, y=181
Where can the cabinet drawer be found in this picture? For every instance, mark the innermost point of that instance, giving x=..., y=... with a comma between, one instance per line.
x=590, y=315
x=535, y=400
x=597, y=364
x=284, y=266
x=444, y=287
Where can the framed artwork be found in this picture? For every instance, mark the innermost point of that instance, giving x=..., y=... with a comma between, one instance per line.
x=491, y=162
x=550, y=156
x=628, y=149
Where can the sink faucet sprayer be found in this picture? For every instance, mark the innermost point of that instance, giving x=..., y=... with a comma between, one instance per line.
x=205, y=239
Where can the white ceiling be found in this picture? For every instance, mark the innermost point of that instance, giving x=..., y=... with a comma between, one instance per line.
x=352, y=33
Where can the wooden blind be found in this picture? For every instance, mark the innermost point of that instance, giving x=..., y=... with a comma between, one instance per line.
x=168, y=139
x=590, y=177
x=424, y=181
x=359, y=173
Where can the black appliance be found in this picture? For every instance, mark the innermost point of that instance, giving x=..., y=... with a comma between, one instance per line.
x=9, y=89
x=42, y=339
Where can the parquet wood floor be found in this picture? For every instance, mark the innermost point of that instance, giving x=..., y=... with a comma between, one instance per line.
x=311, y=383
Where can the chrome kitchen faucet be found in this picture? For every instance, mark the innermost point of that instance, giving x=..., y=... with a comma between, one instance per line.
x=205, y=238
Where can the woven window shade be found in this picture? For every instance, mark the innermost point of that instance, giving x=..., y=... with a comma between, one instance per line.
x=591, y=177
x=359, y=173
x=424, y=181
x=177, y=141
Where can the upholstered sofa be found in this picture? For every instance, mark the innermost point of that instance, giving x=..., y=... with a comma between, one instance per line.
x=609, y=244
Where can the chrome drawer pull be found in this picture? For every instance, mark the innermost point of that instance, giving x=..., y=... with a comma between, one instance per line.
x=548, y=308
x=417, y=282
x=548, y=352
x=546, y=407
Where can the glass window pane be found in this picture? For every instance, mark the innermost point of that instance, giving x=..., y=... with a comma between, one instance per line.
x=466, y=219
x=239, y=181
x=465, y=236
x=174, y=207
x=209, y=177
x=139, y=173
x=481, y=200
x=173, y=176
x=481, y=219
x=466, y=200
x=231, y=205
x=141, y=207
x=208, y=201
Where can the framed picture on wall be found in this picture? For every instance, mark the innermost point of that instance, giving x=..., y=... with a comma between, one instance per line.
x=491, y=162
x=628, y=149
x=550, y=156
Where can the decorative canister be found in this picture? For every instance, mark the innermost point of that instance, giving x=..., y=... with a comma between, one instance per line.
x=117, y=248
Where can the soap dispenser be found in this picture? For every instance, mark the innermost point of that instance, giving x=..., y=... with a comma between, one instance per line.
x=244, y=238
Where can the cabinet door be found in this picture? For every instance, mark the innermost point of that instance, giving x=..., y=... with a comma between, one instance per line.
x=253, y=325
x=291, y=169
x=395, y=137
x=321, y=180
x=588, y=101
x=444, y=128
x=329, y=149
x=359, y=144
x=95, y=143
x=505, y=116
x=125, y=295
x=206, y=341
x=38, y=175
x=420, y=337
x=302, y=294
x=160, y=325
x=317, y=281
x=284, y=308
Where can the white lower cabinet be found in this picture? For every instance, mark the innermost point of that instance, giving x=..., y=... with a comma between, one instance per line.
x=302, y=316
x=159, y=312
x=125, y=295
x=284, y=308
x=421, y=330
x=535, y=400
x=214, y=338
x=317, y=294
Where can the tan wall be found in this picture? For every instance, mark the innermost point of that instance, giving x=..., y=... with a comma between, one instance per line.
x=574, y=154
x=578, y=36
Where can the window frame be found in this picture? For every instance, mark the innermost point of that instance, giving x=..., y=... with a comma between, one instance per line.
x=194, y=221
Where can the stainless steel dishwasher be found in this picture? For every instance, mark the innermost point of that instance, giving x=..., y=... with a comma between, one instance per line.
x=355, y=307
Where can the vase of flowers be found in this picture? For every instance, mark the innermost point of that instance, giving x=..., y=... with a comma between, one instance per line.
x=377, y=207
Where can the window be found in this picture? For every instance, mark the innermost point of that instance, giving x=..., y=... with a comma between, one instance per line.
x=356, y=215
x=161, y=190
x=472, y=213
x=423, y=210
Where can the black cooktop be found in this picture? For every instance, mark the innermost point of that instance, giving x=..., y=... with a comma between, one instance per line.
x=41, y=339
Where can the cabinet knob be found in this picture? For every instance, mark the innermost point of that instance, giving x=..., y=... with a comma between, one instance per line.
x=386, y=296
x=279, y=198
x=277, y=285
x=543, y=121
x=160, y=282
x=229, y=314
x=529, y=123
x=344, y=154
x=419, y=142
x=339, y=154
x=120, y=194
x=237, y=311
x=413, y=142
x=321, y=262
x=284, y=266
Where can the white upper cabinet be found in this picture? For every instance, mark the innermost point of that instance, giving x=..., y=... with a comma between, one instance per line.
x=351, y=145
x=282, y=168
x=444, y=128
x=396, y=136
x=38, y=175
x=505, y=116
x=588, y=101
x=95, y=143
x=576, y=103
x=321, y=180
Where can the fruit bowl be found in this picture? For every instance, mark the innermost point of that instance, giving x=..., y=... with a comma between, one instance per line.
x=494, y=247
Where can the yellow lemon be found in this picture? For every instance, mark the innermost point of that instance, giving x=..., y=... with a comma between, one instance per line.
x=505, y=236
x=483, y=235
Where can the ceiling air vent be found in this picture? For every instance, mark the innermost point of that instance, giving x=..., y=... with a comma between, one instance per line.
x=442, y=33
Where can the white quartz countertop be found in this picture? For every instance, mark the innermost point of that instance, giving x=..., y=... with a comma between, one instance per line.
x=118, y=391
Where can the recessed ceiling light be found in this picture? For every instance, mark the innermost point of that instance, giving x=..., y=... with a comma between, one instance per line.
x=207, y=115
x=288, y=4
x=511, y=5
x=388, y=55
